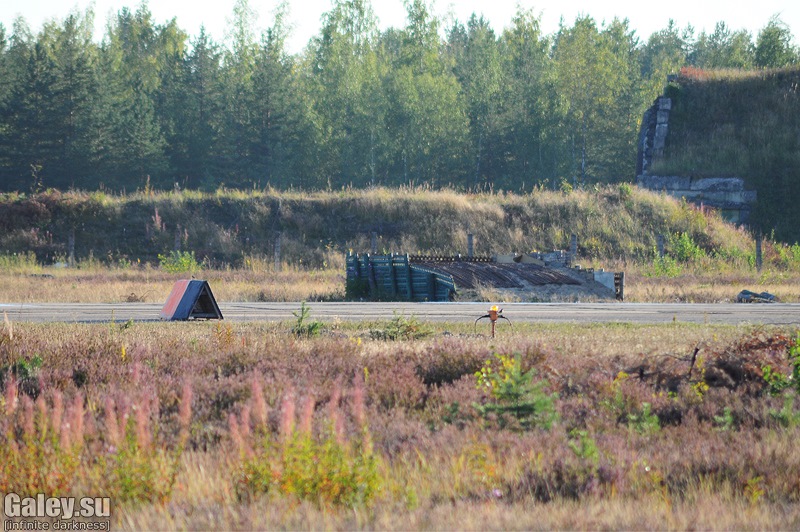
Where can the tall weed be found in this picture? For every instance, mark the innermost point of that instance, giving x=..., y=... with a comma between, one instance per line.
x=328, y=468
x=41, y=444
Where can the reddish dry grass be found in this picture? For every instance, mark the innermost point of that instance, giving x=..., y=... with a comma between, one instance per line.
x=722, y=452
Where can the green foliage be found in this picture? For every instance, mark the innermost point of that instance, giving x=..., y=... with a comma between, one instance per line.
x=401, y=327
x=725, y=421
x=24, y=261
x=329, y=470
x=514, y=393
x=584, y=446
x=303, y=325
x=794, y=360
x=152, y=107
x=137, y=470
x=644, y=422
x=25, y=372
x=179, y=262
x=684, y=248
x=787, y=416
x=774, y=47
x=27, y=368
x=754, y=490
x=625, y=191
x=664, y=266
x=37, y=454
x=795, y=250
x=777, y=381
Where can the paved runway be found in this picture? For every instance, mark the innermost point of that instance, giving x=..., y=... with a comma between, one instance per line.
x=731, y=314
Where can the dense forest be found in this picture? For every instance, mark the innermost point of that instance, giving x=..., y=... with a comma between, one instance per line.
x=152, y=107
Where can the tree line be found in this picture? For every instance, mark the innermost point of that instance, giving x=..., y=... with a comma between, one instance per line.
x=463, y=106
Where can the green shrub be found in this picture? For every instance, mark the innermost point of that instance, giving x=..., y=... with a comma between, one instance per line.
x=795, y=250
x=401, y=328
x=584, y=446
x=24, y=261
x=138, y=470
x=684, y=248
x=776, y=380
x=664, y=266
x=787, y=416
x=513, y=392
x=179, y=262
x=794, y=360
x=726, y=421
x=329, y=469
x=304, y=327
x=625, y=191
x=40, y=450
x=645, y=422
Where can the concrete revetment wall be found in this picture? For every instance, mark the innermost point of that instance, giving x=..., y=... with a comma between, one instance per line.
x=727, y=194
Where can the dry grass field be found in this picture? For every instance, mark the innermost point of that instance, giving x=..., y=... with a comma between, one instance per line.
x=406, y=425
x=103, y=284
x=402, y=424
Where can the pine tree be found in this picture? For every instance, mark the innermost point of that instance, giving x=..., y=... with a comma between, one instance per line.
x=132, y=144
x=199, y=123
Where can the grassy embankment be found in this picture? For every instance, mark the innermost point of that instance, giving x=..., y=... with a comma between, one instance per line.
x=125, y=244
x=744, y=124
x=396, y=425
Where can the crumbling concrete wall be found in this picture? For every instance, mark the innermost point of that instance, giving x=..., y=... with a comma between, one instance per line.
x=727, y=194
x=653, y=134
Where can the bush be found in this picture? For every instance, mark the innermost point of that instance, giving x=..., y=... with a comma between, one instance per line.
x=304, y=327
x=515, y=393
x=664, y=267
x=684, y=248
x=179, y=262
x=328, y=469
x=40, y=449
x=45, y=449
x=135, y=469
x=625, y=191
x=401, y=328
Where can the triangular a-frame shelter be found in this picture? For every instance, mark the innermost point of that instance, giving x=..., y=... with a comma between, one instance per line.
x=191, y=299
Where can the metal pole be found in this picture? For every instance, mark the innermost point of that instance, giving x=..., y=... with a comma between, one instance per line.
x=71, y=248
x=759, y=258
x=573, y=249
x=278, y=253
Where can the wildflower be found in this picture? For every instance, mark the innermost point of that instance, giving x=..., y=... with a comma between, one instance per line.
x=287, y=414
